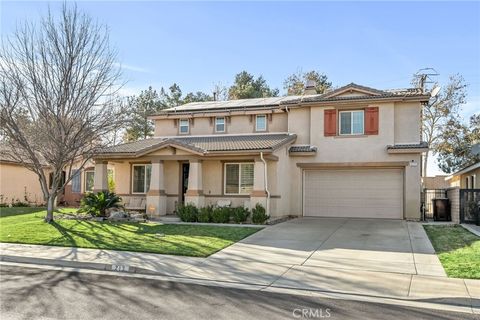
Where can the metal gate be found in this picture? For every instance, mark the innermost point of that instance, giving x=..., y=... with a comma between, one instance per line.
x=427, y=196
x=469, y=205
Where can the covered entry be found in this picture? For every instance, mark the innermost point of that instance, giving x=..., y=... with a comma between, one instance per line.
x=357, y=193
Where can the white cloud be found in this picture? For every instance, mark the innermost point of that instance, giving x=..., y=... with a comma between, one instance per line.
x=129, y=91
x=130, y=67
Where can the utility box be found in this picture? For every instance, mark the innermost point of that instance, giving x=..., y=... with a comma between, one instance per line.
x=441, y=209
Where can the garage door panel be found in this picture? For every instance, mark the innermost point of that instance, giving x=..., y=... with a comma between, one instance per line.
x=366, y=193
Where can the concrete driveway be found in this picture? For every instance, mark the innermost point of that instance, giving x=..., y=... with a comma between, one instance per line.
x=329, y=248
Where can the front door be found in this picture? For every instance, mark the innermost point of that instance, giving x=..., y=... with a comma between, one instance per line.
x=184, y=179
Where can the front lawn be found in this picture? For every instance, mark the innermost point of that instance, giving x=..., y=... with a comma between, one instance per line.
x=457, y=249
x=25, y=225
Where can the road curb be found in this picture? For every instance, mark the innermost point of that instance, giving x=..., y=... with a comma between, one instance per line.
x=78, y=264
x=124, y=270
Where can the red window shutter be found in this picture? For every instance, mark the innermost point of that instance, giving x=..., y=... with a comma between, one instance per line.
x=371, y=120
x=330, y=122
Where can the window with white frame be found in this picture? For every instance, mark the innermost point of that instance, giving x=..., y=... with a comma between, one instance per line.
x=141, y=174
x=261, y=122
x=89, y=180
x=238, y=178
x=76, y=181
x=184, y=126
x=220, y=124
x=351, y=122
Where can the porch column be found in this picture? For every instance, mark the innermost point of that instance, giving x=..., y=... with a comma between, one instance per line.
x=259, y=195
x=100, y=179
x=194, y=193
x=156, y=197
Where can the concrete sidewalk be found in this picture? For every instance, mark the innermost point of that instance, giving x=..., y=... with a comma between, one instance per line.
x=430, y=289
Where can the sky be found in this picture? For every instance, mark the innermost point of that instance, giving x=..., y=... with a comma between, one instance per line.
x=200, y=44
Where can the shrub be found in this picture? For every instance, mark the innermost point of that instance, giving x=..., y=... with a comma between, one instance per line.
x=96, y=203
x=205, y=214
x=259, y=215
x=187, y=212
x=240, y=214
x=19, y=203
x=221, y=215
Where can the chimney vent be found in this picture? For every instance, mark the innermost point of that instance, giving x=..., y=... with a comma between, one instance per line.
x=310, y=87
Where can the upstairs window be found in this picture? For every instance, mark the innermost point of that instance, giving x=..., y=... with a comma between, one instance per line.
x=351, y=122
x=261, y=122
x=220, y=124
x=184, y=126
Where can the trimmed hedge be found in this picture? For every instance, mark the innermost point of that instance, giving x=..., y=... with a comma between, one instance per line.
x=259, y=215
x=205, y=214
x=221, y=215
x=240, y=214
x=190, y=213
x=187, y=213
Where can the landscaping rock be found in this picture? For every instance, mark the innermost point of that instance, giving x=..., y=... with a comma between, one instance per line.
x=137, y=217
x=109, y=211
x=118, y=216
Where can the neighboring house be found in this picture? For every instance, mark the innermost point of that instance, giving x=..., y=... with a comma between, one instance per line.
x=18, y=184
x=352, y=152
x=467, y=178
x=436, y=182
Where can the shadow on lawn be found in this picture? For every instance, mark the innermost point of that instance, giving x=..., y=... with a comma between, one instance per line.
x=141, y=237
x=15, y=211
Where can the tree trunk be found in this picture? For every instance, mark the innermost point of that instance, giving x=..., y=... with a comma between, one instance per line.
x=425, y=164
x=50, y=208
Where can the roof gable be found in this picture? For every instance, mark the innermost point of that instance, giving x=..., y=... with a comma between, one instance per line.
x=353, y=90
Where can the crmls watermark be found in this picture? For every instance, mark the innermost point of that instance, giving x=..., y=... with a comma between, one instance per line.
x=310, y=313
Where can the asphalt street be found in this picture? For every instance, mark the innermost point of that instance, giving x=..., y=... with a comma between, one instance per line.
x=30, y=293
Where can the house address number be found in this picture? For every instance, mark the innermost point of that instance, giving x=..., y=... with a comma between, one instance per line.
x=120, y=268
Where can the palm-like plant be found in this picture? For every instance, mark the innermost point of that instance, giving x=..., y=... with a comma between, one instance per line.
x=96, y=203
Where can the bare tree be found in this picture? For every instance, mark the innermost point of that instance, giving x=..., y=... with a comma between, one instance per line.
x=440, y=111
x=58, y=80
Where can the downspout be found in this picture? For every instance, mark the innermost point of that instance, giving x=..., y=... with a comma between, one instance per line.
x=267, y=209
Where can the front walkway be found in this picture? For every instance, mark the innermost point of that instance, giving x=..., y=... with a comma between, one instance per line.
x=379, y=258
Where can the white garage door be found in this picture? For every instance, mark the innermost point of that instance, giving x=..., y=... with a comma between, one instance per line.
x=361, y=193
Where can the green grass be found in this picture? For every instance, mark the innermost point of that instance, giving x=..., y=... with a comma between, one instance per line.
x=457, y=249
x=26, y=225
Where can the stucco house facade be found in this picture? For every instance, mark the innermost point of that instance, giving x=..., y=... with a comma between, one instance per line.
x=352, y=152
x=19, y=184
x=467, y=178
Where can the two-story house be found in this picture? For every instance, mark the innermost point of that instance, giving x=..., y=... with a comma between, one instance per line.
x=352, y=152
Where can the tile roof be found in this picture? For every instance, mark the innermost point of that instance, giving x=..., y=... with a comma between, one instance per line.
x=302, y=148
x=420, y=145
x=288, y=100
x=205, y=144
x=7, y=155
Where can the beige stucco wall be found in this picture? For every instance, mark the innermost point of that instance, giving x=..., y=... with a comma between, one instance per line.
x=397, y=124
x=463, y=177
x=299, y=123
x=17, y=182
x=236, y=124
x=459, y=180
x=407, y=123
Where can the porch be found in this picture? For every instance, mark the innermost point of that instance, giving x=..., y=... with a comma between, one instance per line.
x=163, y=173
